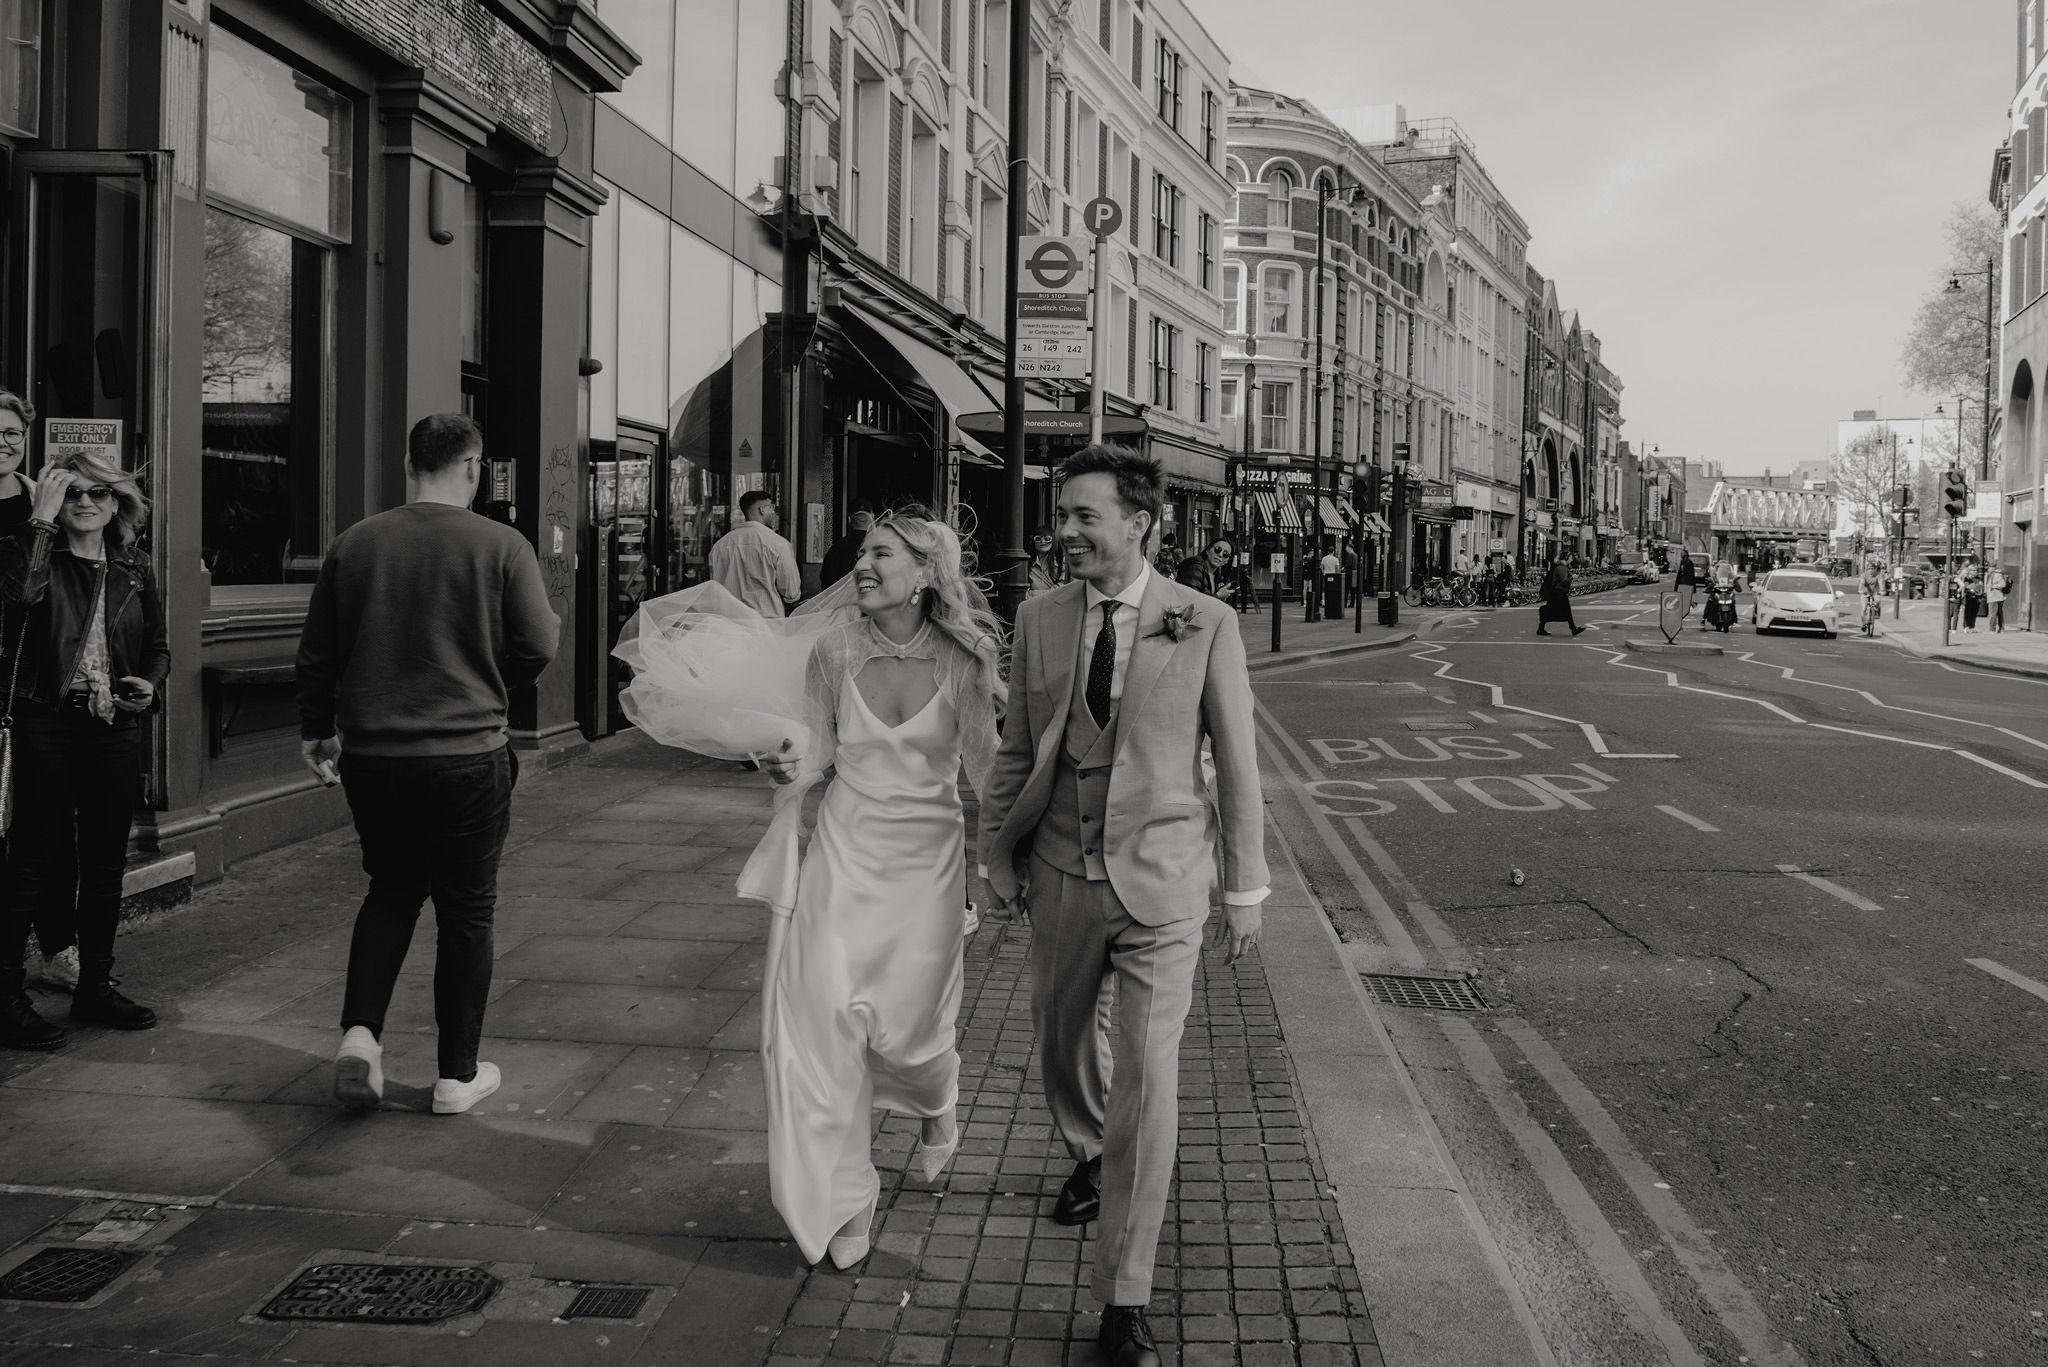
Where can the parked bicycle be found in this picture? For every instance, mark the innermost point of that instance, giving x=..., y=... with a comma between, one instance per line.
x=1439, y=591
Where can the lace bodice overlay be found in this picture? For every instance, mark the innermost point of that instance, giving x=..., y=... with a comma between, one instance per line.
x=964, y=679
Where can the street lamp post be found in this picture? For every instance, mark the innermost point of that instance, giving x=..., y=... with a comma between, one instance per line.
x=1325, y=189
x=1015, y=576
x=1955, y=286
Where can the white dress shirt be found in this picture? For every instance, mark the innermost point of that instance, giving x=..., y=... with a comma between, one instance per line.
x=1125, y=622
x=1124, y=619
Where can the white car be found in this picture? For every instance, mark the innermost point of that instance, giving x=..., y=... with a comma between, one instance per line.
x=1797, y=600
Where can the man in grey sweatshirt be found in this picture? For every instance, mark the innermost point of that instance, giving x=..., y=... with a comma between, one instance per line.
x=424, y=616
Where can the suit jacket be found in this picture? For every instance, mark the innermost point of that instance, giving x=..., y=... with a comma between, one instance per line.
x=1161, y=825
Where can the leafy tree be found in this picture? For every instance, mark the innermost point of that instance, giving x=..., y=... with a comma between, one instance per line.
x=1866, y=476
x=1943, y=353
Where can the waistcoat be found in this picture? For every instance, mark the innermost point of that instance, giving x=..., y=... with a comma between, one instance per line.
x=1070, y=833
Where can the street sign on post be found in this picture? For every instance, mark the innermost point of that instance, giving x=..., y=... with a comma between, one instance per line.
x=1103, y=217
x=1052, y=308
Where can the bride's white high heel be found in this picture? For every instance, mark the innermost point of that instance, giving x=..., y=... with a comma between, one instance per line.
x=932, y=1158
x=847, y=1249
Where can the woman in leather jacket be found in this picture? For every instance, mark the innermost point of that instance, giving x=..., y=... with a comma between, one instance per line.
x=82, y=651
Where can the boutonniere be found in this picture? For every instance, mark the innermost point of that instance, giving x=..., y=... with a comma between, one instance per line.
x=1177, y=623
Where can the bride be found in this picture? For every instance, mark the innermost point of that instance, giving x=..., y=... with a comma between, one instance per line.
x=862, y=985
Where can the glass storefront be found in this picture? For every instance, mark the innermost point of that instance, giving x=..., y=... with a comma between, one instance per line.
x=279, y=191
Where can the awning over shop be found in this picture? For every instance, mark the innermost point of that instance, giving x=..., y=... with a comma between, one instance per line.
x=1278, y=511
x=1375, y=525
x=950, y=380
x=1336, y=517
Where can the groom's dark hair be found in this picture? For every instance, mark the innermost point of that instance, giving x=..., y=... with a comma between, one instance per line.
x=1140, y=482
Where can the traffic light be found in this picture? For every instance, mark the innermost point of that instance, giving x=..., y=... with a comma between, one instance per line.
x=1905, y=497
x=1955, y=493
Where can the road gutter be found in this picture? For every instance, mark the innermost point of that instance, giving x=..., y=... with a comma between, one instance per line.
x=1440, y=1291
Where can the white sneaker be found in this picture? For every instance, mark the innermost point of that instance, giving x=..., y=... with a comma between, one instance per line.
x=359, y=1070
x=453, y=1098
x=61, y=969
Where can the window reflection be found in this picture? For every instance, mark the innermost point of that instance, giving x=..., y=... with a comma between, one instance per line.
x=262, y=360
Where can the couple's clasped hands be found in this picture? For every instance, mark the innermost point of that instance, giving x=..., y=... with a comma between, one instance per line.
x=1235, y=932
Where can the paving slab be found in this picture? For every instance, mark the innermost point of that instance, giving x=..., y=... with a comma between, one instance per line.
x=613, y=1013
x=468, y=1167
x=644, y=1088
x=704, y=1183
x=167, y=1145
x=616, y=959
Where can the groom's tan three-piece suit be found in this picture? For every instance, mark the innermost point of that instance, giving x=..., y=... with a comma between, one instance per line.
x=1113, y=833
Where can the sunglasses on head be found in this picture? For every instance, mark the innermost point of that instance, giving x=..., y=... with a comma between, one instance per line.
x=98, y=493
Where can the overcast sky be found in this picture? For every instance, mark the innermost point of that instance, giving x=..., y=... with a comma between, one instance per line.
x=1744, y=198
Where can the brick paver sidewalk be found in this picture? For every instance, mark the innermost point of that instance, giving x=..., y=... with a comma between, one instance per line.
x=626, y=1146
x=1253, y=1267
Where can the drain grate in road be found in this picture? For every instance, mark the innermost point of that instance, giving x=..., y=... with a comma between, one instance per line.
x=607, y=1303
x=64, y=1275
x=382, y=1293
x=1434, y=994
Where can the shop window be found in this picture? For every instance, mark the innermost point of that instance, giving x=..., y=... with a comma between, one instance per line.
x=21, y=67
x=279, y=203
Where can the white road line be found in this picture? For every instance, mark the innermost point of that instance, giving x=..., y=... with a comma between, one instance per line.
x=2009, y=773
x=1749, y=657
x=1671, y=681
x=2019, y=980
x=1689, y=820
x=1589, y=1224
x=1500, y=703
x=1854, y=899
x=1719, y=1286
x=1396, y=935
x=1985, y=674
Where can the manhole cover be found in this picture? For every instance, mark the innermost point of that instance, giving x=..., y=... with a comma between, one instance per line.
x=607, y=1303
x=1435, y=994
x=64, y=1275
x=381, y=1293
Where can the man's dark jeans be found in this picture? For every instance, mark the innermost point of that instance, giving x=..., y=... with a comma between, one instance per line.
x=430, y=827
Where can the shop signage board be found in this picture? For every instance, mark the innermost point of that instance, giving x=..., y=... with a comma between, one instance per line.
x=1053, y=340
x=100, y=437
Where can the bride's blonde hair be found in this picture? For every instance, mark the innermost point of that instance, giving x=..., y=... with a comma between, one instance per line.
x=955, y=600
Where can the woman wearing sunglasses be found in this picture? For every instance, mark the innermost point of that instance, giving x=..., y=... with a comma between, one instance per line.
x=84, y=652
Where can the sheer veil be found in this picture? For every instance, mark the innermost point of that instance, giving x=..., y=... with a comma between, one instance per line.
x=713, y=676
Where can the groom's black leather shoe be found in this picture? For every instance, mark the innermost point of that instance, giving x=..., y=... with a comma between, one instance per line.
x=1081, y=1198
x=1126, y=1339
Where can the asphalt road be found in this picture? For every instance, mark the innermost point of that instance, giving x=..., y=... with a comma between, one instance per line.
x=1762, y=1068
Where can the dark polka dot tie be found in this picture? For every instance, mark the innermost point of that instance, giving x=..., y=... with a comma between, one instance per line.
x=1102, y=665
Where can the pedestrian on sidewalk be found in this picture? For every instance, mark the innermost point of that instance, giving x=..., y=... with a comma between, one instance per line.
x=1094, y=824
x=1995, y=589
x=1557, y=599
x=1048, y=565
x=424, y=616
x=838, y=562
x=1973, y=596
x=756, y=563
x=1205, y=573
x=56, y=937
x=82, y=628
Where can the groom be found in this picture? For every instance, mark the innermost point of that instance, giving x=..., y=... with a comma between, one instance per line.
x=1097, y=816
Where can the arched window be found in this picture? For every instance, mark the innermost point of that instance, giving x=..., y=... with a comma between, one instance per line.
x=1279, y=197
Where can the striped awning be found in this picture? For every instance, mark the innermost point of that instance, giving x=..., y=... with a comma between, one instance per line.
x=1375, y=525
x=1336, y=517
x=1277, y=510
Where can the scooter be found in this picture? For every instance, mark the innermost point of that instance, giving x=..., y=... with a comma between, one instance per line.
x=1720, y=610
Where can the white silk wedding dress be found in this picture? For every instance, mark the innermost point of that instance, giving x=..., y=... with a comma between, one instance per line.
x=861, y=992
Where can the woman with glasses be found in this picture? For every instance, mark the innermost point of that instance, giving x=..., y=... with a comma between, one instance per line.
x=85, y=651
x=1048, y=566
x=54, y=937
x=1209, y=572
